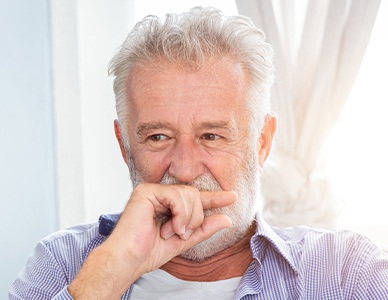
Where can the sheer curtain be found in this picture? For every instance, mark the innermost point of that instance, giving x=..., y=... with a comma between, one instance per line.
x=314, y=77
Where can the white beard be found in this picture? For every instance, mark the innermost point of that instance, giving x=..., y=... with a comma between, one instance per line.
x=242, y=212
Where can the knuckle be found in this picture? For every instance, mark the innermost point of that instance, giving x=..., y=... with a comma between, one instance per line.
x=201, y=217
x=188, y=192
x=196, y=220
x=194, y=192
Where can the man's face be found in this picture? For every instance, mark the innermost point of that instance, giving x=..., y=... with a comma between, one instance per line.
x=188, y=123
x=192, y=127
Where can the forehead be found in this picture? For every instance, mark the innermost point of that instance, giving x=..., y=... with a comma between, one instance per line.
x=155, y=90
x=221, y=73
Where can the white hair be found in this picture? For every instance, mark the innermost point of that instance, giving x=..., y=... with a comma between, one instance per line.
x=190, y=38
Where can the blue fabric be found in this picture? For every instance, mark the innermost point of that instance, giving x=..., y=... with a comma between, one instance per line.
x=291, y=263
x=107, y=224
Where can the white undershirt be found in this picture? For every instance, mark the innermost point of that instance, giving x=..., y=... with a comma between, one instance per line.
x=161, y=285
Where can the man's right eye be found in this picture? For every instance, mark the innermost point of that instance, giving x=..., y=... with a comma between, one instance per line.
x=157, y=137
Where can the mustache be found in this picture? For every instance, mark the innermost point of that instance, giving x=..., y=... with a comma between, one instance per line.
x=205, y=182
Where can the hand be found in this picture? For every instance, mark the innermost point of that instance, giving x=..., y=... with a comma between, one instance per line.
x=142, y=242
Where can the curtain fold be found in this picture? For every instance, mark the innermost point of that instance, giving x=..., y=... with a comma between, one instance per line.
x=314, y=78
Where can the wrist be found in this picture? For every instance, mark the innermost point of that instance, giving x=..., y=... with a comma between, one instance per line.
x=106, y=274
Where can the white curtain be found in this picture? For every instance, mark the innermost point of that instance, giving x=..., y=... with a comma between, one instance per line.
x=315, y=74
x=91, y=176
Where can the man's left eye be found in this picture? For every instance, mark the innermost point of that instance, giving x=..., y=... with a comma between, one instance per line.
x=210, y=137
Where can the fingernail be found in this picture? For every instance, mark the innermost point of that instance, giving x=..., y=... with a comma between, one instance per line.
x=183, y=229
x=168, y=235
x=187, y=235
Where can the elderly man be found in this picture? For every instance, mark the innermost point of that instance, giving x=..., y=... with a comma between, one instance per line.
x=194, y=127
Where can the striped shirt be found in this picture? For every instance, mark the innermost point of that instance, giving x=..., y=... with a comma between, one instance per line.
x=290, y=263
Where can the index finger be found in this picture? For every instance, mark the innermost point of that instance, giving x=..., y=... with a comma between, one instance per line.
x=216, y=199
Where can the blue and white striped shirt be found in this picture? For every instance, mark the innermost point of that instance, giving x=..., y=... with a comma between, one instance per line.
x=291, y=263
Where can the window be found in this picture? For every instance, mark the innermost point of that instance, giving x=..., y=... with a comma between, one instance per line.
x=356, y=150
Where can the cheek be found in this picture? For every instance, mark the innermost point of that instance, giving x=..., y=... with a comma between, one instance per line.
x=151, y=166
x=227, y=170
x=247, y=165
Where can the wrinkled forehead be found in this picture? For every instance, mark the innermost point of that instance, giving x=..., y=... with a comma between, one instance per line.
x=224, y=74
x=175, y=94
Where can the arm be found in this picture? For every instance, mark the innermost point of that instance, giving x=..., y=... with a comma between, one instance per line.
x=141, y=242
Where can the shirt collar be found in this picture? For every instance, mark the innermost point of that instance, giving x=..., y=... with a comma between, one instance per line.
x=107, y=223
x=267, y=233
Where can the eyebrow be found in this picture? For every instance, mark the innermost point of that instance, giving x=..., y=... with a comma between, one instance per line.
x=217, y=125
x=144, y=128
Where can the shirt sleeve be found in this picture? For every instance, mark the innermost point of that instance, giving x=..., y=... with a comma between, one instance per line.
x=373, y=280
x=42, y=278
x=371, y=264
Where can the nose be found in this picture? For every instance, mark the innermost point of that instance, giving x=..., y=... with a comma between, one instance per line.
x=186, y=163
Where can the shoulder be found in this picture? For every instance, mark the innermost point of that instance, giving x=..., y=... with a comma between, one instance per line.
x=78, y=234
x=303, y=245
x=311, y=235
x=334, y=262
x=67, y=249
x=336, y=243
x=350, y=259
x=74, y=243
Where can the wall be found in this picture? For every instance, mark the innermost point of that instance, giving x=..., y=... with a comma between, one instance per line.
x=27, y=168
x=59, y=161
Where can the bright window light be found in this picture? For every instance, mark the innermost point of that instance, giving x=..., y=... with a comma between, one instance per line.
x=357, y=148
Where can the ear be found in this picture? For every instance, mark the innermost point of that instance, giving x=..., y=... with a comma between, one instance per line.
x=265, y=141
x=121, y=141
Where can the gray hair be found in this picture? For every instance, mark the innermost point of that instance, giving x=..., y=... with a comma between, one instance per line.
x=190, y=38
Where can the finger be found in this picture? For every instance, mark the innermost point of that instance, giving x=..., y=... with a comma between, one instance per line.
x=181, y=208
x=210, y=226
x=210, y=200
x=180, y=201
x=186, y=205
x=168, y=200
x=167, y=231
x=216, y=199
x=196, y=219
